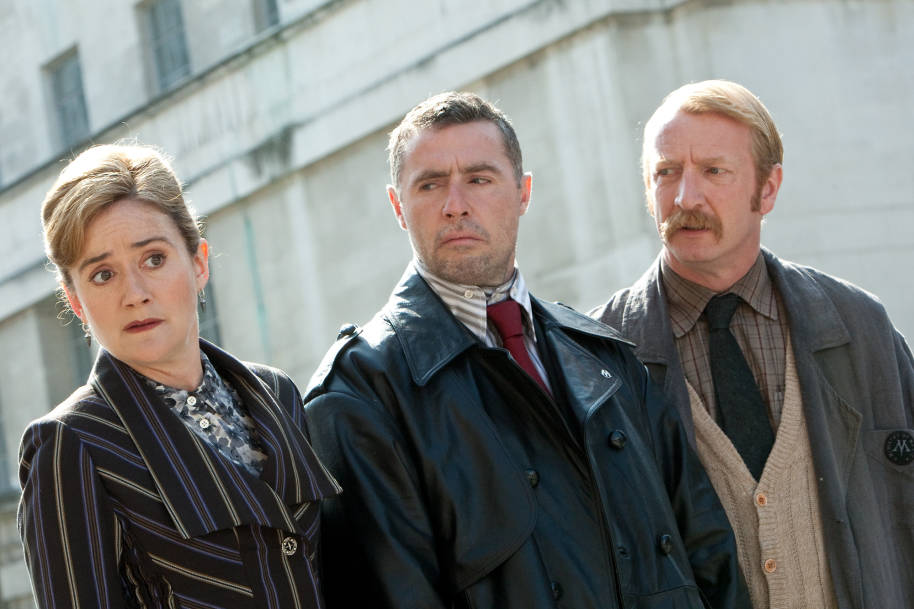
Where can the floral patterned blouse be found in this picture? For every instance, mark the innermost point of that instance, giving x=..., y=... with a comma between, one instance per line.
x=215, y=413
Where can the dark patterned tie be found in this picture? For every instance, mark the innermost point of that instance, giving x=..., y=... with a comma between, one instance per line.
x=743, y=415
x=506, y=317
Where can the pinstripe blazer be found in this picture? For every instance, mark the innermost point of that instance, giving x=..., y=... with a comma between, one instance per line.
x=124, y=506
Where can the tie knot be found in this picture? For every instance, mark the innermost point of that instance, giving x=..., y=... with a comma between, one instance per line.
x=720, y=310
x=506, y=317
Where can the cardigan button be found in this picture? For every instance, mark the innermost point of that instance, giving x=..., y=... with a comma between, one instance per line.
x=617, y=439
x=289, y=546
x=533, y=477
x=761, y=499
x=665, y=543
x=771, y=565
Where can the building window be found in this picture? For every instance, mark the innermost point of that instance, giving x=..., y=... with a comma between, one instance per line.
x=266, y=14
x=69, y=102
x=166, y=39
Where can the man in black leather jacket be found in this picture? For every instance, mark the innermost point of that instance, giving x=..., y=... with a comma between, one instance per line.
x=491, y=464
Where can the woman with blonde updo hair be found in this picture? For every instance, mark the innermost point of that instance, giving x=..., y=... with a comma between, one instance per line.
x=177, y=476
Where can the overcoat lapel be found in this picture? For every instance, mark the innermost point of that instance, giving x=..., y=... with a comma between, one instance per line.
x=646, y=321
x=820, y=341
x=202, y=491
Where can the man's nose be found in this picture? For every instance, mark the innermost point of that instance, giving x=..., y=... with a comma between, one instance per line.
x=689, y=194
x=456, y=203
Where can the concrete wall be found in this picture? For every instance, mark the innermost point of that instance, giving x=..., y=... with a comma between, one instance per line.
x=281, y=135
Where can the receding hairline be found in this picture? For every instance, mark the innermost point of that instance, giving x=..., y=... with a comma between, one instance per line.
x=447, y=109
x=476, y=166
x=726, y=99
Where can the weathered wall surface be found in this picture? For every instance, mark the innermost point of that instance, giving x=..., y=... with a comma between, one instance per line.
x=281, y=133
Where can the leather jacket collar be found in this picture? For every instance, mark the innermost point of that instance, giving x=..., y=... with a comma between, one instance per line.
x=415, y=312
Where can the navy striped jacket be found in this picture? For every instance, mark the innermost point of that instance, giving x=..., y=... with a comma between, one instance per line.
x=124, y=506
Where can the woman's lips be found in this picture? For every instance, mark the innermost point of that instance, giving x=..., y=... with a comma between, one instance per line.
x=142, y=325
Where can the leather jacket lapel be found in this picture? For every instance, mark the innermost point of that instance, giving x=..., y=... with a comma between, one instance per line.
x=415, y=312
x=587, y=381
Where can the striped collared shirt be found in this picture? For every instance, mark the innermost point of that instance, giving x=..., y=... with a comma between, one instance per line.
x=759, y=326
x=468, y=304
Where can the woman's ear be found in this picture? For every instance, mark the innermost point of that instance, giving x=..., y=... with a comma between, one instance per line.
x=201, y=264
x=73, y=299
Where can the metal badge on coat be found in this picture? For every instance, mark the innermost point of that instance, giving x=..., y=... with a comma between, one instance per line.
x=899, y=447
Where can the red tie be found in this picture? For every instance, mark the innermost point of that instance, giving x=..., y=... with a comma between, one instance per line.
x=506, y=317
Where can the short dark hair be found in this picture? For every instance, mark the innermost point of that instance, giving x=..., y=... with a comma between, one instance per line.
x=451, y=108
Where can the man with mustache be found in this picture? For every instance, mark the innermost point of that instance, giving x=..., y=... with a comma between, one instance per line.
x=794, y=386
x=497, y=451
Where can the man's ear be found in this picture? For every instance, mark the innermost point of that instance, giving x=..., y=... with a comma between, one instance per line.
x=526, y=186
x=73, y=299
x=770, y=189
x=395, y=203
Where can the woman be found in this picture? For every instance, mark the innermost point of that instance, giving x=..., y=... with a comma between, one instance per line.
x=177, y=476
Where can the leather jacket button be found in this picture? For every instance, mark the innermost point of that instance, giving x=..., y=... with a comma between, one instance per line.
x=346, y=330
x=665, y=543
x=556, y=590
x=617, y=439
x=623, y=551
x=533, y=477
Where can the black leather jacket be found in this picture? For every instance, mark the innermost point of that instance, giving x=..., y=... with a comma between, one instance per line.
x=435, y=512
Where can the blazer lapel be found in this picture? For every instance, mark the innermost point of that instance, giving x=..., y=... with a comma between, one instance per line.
x=292, y=470
x=202, y=491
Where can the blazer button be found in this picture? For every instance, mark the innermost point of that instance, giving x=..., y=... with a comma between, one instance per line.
x=665, y=543
x=289, y=546
x=617, y=439
x=533, y=477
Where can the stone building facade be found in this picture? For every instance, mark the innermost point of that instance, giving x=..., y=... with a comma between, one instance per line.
x=276, y=113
